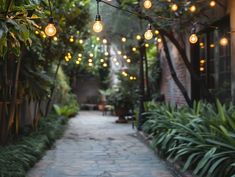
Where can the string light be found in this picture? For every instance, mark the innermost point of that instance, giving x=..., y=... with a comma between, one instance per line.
x=50, y=29
x=134, y=49
x=138, y=37
x=146, y=45
x=90, y=60
x=193, y=38
x=124, y=56
x=81, y=41
x=77, y=62
x=91, y=55
x=106, y=54
x=79, y=55
x=123, y=39
x=156, y=32
x=55, y=38
x=223, y=41
x=105, y=65
x=147, y=4
x=128, y=60
x=174, y=7
x=159, y=40
x=102, y=60
x=98, y=26
x=212, y=3
x=71, y=39
x=119, y=52
x=105, y=41
x=98, y=39
x=36, y=32
x=193, y=8
x=148, y=34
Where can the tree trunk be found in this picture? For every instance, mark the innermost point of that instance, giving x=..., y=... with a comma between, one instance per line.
x=173, y=73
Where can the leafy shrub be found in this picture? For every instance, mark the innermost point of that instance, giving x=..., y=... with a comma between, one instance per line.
x=17, y=158
x=203, y=138
x=68, y=110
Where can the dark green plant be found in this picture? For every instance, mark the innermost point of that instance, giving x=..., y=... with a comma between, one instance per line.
x=17, y=158
x=202, y=138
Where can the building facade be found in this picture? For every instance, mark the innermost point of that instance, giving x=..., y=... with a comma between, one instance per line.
x=212, y=58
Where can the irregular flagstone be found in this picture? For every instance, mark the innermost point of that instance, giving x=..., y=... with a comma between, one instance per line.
x=94, y=146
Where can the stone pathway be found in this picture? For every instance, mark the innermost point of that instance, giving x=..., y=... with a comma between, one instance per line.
x=94, y=146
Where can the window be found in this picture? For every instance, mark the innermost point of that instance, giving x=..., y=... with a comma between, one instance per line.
x=213, y=61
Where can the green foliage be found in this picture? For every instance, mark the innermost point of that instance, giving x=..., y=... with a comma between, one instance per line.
x=17, y=158
x=124, y=95
x=202, y=137
x=68, y=109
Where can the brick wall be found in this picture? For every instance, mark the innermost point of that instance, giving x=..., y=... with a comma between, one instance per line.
x=168, y=87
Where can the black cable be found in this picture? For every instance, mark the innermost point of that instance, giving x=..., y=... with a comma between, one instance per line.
x=49, y=1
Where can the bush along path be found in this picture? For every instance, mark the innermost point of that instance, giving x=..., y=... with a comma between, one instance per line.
x=94, y=146
x=18, y=157
x=202, y=138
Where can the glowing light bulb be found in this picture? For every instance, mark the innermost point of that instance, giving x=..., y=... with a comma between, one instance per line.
x=50, y=30
x=193, y=8
x=55, y=38
x=147, y=4
x=193, y=39
x=212, y=3
x=119, y=52
x=98, y=39
x=134, y=49
x=77, y=62
x=148, y=34
x=101, y=60
x=123, y=39
x=71, y=39
x=223, y=41
x=174, y=7
x=138, y=37
x=159, y=40
x=90, y=60
x=36, y=32
x=156, y=32
x=105, y=41
x=98, y=26
x=128, y=60
x=124, y=56
x=81, y=41
x=146, y=45
x=91, y=55
x=106, y=54
x=105, y=65
x=79, y=55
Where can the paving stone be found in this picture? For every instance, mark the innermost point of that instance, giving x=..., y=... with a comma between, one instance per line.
x=95, y=146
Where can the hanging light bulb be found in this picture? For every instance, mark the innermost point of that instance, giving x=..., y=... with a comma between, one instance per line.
x=193, y=39
x=98, y=26
x=223, y=41
x=147, y=4
x=134, y=49
x=123, y=39
x=50, y=29
x=212, y=3
x=174, y=7
x=148, y=34
x=138, y=37
x=193, y=8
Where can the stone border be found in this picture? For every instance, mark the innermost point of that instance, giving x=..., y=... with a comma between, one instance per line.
x=173, y=167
